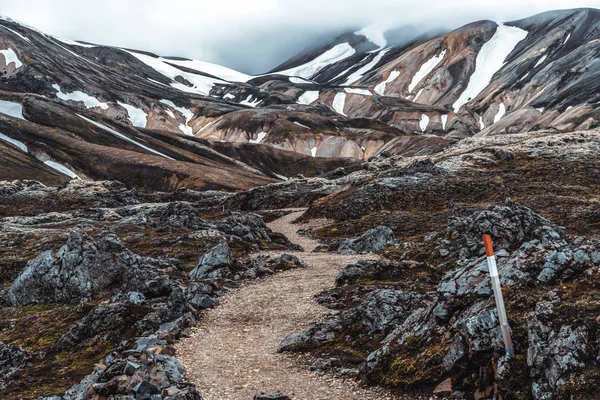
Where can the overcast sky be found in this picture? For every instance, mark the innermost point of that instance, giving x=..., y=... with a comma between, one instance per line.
x=253, y=35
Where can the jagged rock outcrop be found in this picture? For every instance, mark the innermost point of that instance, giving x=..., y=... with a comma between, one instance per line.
x=372, y=241
x=12, y=360
x=82, y=269
x=215, y=263
x=147, y=371
x=363, y=269
x=422, y=337
x=249, y=227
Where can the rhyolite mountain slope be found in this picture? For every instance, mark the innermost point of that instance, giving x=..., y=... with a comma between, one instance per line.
x=363, y=93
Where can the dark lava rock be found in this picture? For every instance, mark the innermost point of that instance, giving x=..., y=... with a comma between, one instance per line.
x=362, y=269
x=83, y=268
x=271, y=396
x=249, y=227
x=382, y=310
x=215, y=263
x=509, y=224
x=371, y=241
x=556, y=355
x=99, y=319
x=12, y=360
x=324, y=364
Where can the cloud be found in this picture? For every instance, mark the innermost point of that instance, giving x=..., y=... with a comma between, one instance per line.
x=253, y=36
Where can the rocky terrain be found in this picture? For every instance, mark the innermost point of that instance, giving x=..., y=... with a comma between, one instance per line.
x=157, y=213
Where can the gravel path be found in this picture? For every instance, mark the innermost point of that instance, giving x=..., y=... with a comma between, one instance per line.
x=232, y=354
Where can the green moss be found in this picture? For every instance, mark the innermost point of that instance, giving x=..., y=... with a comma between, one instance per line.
x=401, y=368
x=37, y=329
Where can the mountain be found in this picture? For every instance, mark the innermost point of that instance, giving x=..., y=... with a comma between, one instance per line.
x=185, y=122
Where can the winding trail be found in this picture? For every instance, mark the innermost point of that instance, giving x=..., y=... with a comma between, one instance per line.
x=232, y=354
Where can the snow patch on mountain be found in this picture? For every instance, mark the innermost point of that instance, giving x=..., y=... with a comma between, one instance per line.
x=444, y=121
x=259, y=138
x=357, y=75
x=250, y=102
x=299, y=124
x=72, y=42
x=229, y=96
x=500, y=113
x=15, y=142
x=490, y=60
x=308, y=97
x=187, y=114
x=62, y=169
x=11, y=57
x=313, y=151
x=481, y=123
x=418, y=94
x=427, y=67
x=86, y=99
x=283, y=178
x=201, y=84
x=363, y=92
x=339, y=101
x=121, y=136
x=17, y=33
x=567, y=39
x=331, y=56
x=137, y=116
x=295, y=79
x=218, y=71
x=424, y=123
x=11, y=108
x=540, y=61
x=380, y=88
x=374, y=35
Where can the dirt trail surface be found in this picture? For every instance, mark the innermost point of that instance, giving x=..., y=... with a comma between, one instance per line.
x=232, y=354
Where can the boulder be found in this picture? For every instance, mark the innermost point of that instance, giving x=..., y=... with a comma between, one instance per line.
x=371, y=241
x=12, y=360
x=84, y=268
x=361, y=270
x=381, y=311
x=278, y=395
x=215, y=263
x=249, y=227
x=555, y=355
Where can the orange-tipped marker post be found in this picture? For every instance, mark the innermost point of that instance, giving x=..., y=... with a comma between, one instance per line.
x=491, y=259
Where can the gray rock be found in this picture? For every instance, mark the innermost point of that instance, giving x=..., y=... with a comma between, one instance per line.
x=99, y=319
x=371, y=241
x=295, y=342
x=250, y=227
x=201, y=302
x=144, y=390
x=271, y=396
x=215, y=263
x=362, y=269
x=482, y=334
x=324, y=364
x=455, y=353
x=382, y=310
x=12, y=360
x=83, y=268
x=555, y=356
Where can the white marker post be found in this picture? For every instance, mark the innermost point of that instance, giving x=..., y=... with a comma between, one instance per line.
x=491, y=259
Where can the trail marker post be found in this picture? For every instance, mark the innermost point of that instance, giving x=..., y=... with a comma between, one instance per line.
x=491, y=259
